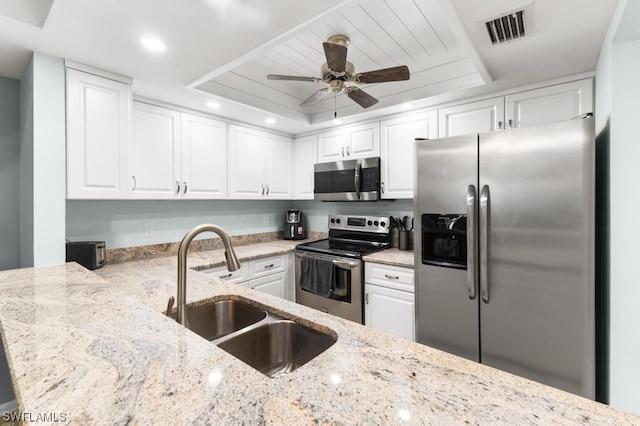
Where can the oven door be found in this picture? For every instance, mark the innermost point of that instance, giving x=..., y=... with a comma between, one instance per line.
x=345, y=300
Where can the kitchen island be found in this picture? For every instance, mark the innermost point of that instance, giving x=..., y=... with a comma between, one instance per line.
x=97, y=348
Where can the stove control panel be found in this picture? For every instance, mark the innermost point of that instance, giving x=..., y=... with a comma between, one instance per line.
x=378, y=224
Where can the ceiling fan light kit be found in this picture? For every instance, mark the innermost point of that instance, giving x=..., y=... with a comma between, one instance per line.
x=337, y=71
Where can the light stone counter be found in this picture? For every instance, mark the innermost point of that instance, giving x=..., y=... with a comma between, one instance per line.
x=393, y=257
x=98, y=350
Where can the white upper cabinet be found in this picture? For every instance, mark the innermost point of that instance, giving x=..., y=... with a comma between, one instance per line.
x=204, y=158
x=398, y=153
x=176, y=155
x=474, y=117
x=279, y=168
x=98, y=133
x=259, y=165
x=155, y=152
x=305, y=154
x=554, y=103
x=360, y=141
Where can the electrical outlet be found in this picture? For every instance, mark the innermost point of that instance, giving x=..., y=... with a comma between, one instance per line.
x=265, y=220
x=148, y=230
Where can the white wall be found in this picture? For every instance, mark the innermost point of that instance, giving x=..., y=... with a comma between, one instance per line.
x=617, y=95
x=42, y=162
x=121, y=223
x=9, y=183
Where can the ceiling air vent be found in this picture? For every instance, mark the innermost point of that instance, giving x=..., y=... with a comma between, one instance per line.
x=506, y=28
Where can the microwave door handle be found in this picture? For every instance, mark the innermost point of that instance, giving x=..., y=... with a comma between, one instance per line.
x=356, y=178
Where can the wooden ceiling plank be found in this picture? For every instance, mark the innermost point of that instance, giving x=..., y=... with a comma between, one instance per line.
x=420, y=27
x=432, y=10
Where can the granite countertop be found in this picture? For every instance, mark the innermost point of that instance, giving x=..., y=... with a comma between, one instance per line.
x=97, y=348
x=393, y=257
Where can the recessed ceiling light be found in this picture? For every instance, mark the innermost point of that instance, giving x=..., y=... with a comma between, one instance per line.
x=270, y=121
x=406, y=106
x=153, y=44
x=213, y=105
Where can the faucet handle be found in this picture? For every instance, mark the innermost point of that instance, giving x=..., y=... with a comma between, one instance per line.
x=170, y=306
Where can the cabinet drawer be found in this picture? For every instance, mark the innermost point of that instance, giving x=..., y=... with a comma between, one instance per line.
x=389, y=276
x=267, y=266
x=221, y=272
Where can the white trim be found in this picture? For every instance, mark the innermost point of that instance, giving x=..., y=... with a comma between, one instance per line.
x=97, y=71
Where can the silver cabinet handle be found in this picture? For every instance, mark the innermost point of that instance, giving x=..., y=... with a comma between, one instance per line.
x=510, y=124
x=366, y=298
x=472, y=254
x=184, y=190
x=484, y=243
x=178, y=185
x=392, y=277
x=267, y=189
x=348, y=153
x=499, y=125
x=262, y=190
x=382, y=187
x=226, y=276
x=271, y=265
x=135, y=183
x=343, y=151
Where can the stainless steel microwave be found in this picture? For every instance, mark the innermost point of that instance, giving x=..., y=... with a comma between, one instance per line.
x=350, y=180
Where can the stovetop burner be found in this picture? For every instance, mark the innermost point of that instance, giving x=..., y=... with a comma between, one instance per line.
x=352, y=236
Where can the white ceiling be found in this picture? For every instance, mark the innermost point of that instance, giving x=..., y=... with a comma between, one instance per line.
x=226, y=48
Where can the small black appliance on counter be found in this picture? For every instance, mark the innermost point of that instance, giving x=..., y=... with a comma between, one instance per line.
x=90, y=254
x=294, y=228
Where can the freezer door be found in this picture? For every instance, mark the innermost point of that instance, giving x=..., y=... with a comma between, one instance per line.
x=537, y=292
x=446, y=301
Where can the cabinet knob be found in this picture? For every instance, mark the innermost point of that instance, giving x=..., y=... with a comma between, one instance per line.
x=184, y=191
x=262, y=193
x=382, y=187
x=499, y=125
x=510, y=123
x=366, y=298
x=392, y=277
x=271, y=265
x=178, y=187
x=348, y=153
x=267, y=189
x=226, y=276
x=135, y=183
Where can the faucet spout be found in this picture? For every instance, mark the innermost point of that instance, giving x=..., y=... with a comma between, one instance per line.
x=232, y=264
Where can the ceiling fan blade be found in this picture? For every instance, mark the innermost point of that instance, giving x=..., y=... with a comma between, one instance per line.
x=291, y=78
x=336, y=56
x=383, y=75
x=317, y=96
x=361, y=97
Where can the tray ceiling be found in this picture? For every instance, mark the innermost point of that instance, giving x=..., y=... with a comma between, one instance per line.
x=383, y=34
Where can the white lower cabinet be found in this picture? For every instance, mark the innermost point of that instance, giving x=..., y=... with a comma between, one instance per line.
x=272, y=275
x=389, y=299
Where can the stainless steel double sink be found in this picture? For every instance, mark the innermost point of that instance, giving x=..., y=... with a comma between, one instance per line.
x=270, y=344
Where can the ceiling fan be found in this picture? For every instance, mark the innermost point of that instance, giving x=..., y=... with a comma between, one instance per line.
x=337, y=71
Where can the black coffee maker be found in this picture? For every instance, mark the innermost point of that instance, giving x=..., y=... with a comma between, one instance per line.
x=294, y=228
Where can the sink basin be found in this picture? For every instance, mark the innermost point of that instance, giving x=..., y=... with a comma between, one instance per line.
x=223, y=317
x=277, y=347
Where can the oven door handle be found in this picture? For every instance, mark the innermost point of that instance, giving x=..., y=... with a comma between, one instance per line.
x=344, y=264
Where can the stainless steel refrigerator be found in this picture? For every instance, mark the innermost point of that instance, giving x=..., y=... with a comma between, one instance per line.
x=504, y=250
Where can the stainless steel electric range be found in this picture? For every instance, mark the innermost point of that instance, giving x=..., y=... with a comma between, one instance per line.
x=329, y=272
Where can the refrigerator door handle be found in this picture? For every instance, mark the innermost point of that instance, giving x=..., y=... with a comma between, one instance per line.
x=484, y=243
x=472, y=258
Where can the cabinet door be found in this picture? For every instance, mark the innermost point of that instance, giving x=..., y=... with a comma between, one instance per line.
x=554, y=103
x=391, y=311
x=155, y=152
x=246, y=152
x=305, y=155
x=363, y=141
x=271, y=284
x=98, y=128
x=474, y=117
x=397, y=151
x=204, y=158
x=331, y=146
x=278, y=169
